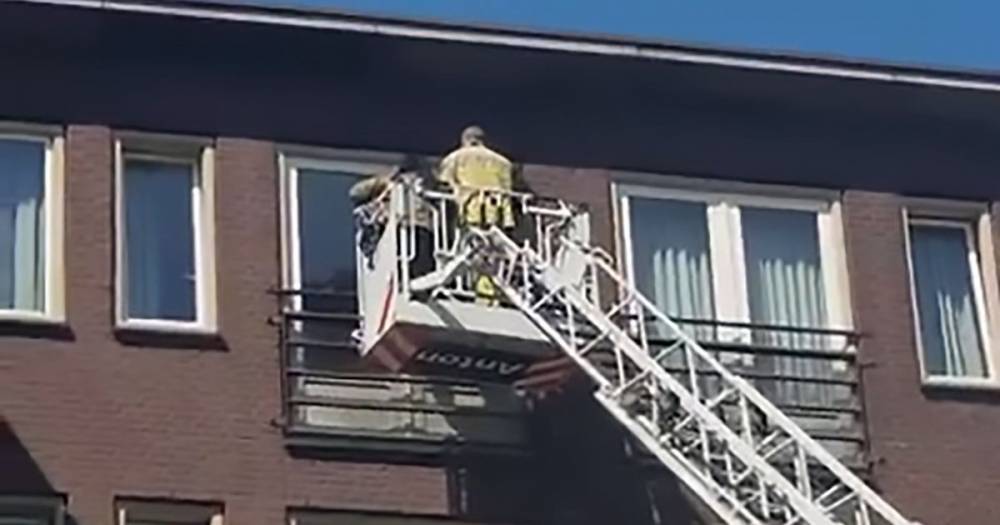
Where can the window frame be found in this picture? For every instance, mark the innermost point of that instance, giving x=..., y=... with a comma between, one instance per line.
x=975, y=222
x=200, y=156
x=289, y=163
x=164, y=510
x=307, y=516
x=52, y=507
x=53, y=309
x=726, y=242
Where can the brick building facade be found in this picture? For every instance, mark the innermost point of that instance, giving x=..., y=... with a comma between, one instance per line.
x=117, y=422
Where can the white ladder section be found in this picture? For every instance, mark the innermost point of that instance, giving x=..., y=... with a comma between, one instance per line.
x=748, y=461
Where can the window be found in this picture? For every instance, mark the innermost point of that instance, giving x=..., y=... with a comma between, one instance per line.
x=158, y=512
x=672, y=265
x=31, y=226
x=320, y=258
x=753, y=277
x=950, y=289
x=319, y=222
x=165, y=248
x=31, y=510
x=737, y=258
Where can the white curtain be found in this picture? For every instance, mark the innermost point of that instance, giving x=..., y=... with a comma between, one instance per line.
x=671, y=259
x=22, y=165
x=949, y=325
x=785, y=285
x=159, y=241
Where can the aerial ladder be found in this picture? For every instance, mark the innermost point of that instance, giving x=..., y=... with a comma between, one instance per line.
x=750, y=463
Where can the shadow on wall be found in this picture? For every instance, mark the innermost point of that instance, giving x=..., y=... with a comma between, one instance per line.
x=21, y=475
x=596, y=476
x=959, y=395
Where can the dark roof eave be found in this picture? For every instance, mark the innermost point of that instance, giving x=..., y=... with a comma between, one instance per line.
x=328, y=19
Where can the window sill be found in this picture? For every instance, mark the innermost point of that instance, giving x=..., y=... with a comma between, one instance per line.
x=958, y=383
x=34, y=325
x=30, y=317
x=169, y=335
x=165, y=326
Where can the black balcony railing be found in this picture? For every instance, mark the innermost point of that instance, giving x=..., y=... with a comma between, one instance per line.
x=333, y=399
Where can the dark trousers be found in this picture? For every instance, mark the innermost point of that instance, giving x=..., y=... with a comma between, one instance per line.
x=423, y=262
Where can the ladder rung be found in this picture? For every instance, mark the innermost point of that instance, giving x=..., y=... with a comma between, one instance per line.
x=786, y=481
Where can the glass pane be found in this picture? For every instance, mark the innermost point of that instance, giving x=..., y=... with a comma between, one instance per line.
x=671, y=257
x=159, y=240
x=784, y=271
x=326, y=238
x=22, y=232
x=327, y=265
x=785, y=287
x=946, y=304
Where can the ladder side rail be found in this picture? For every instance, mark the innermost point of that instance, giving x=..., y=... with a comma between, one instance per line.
x=688, y=401
x=813, y=448
x=603, y=261
x=693, y=405
x=724, y=504
x=717, y=438
x=797, y=496
x=703, y=485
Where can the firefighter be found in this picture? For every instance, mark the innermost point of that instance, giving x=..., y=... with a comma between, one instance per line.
x=481, y=181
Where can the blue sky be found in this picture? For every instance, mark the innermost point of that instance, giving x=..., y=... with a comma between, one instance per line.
x=962, y=34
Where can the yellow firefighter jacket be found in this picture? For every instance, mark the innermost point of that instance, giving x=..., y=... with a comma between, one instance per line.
x=470, y=169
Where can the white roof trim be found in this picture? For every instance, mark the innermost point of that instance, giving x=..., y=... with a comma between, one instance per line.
x=526, y=40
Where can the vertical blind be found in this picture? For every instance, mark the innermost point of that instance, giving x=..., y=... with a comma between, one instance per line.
x=670, y=248
x=785, y=288
x=782, y=268
x=22, y=228
x=946, y=301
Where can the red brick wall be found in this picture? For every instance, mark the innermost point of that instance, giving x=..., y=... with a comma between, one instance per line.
x=101, y=418
x=581, y=186
x=95, y=417
x=934, y=447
